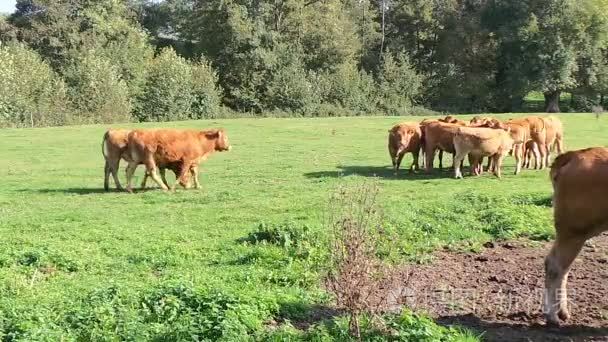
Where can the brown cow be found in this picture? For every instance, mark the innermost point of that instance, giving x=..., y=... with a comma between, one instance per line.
x=114, y=148
x=580, y=210
x=403, y=138
x=480, y=142
x=438, y=135
x=554, y=137
x=168, y=146
x=453, y=120
x=534, y=129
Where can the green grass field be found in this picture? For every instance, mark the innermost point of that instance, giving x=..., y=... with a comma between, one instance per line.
x=79, y=263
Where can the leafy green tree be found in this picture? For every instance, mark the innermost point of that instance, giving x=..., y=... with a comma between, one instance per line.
x=167, y=93
x=97, y=90
x=541, y=43
x=399, y=84
x=206, y=97
x=64, y=31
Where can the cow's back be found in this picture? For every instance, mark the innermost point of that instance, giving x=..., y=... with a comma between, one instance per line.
x=167, y=145
x=440, y=134
x=580, y=187
x=482, y=140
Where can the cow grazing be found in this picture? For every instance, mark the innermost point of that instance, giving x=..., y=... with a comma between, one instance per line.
x=403, y=138
x=480, y=142
x=580, y=209
x=168, y=146
x=438, y=136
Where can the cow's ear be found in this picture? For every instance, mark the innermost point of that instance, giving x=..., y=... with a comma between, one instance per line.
x=211, y=134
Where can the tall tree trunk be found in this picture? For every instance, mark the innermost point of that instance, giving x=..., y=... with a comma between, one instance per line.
x=383, y=28
x=552, y=101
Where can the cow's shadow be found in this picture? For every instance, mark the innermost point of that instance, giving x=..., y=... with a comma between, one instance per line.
x=86, y=191
x=508, y=331
x=385, y=172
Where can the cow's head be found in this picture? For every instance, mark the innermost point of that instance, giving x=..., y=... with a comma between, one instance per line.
x=220, y=138
x=401, y=136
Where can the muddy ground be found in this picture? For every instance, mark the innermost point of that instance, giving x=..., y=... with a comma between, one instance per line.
x=499, y=292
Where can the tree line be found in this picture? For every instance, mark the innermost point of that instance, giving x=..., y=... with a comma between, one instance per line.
x=75, y=61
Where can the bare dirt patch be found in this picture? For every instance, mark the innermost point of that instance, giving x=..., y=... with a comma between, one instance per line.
x=499, y=292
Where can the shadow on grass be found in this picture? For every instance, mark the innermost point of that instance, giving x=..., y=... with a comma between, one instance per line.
x=84, y=191
x=386, y=172
x=381, y=172
x=509, y=331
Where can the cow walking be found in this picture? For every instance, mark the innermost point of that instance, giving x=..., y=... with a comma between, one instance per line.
x=580, y=210
x=169, y=146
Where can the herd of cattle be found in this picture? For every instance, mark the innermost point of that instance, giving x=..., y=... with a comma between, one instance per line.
x=525, y=138
x=579, y=178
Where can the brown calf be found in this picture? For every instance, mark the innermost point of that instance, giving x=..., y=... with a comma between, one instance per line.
x=479, y=142
x=168, y=146
x=580, y=210
x=403, y=138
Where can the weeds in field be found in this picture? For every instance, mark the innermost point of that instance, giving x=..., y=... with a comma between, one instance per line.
x=361, y=282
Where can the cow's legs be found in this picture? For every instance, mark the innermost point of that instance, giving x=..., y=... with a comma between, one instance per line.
x=399, y=159
x=106, y=176
x=194, y=175
x=458, y=158
x=415, y=163
x=537, y=157
x=143, y=182
x=518, y=152
x=151, y=169
x=130, y=171
x=548, y=155
x=542, y=150
x=430, y=155
x=182, y=179
x=111, y=168
x=559, y=143
x=497, y=164
x=557, y=266
x=163, y=174
x=440, y=159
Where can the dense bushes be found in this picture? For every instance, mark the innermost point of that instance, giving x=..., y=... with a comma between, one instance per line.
x=31, y=94
x=97, y=91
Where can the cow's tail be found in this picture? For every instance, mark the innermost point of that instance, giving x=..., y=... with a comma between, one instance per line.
x=104, y=145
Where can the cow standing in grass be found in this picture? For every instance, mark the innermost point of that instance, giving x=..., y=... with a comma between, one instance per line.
x=185, y=148
x=479, y=142
x=580, y=210
x=438, y=136
x=404, y=138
